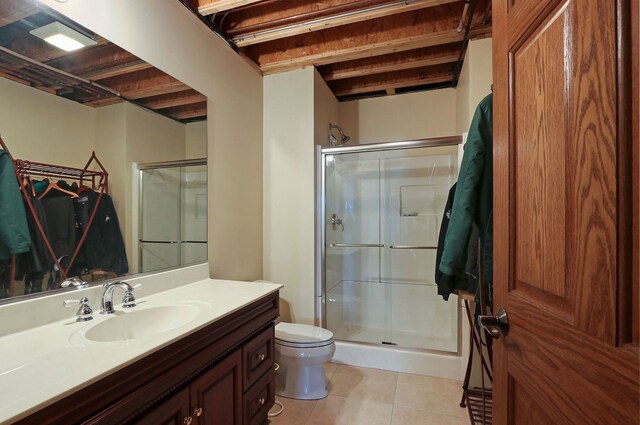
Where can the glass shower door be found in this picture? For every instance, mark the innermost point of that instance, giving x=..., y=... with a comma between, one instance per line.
x=173, y=216
x=354, y=300
x=383, y=211
x=415, y=185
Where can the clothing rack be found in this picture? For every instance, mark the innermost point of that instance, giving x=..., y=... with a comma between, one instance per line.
x=98, y=180
x=478, y=401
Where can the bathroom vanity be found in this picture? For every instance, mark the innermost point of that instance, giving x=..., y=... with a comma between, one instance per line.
x=207, y=359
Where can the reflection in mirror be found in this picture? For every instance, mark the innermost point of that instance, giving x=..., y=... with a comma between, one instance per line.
x=108, y=152
x=173, y=214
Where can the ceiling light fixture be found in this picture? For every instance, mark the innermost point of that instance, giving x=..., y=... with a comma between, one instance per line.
x=63, y=37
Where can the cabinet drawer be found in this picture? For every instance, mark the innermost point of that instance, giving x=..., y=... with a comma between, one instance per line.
x=257, y=355
x=259, y=400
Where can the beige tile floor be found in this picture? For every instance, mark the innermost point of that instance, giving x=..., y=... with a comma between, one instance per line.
x=361, y=396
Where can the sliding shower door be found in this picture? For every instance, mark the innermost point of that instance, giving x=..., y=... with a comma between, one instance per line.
x=382, y=218
x=173, y=215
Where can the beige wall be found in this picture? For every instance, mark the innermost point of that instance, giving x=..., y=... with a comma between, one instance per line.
x=197, y=57
x=475, y=81
x=401, y=117
x=41, y=127
x=326, y=110
x=196, y=140
x=149, y=138
x=110, y=138
x=289, y=190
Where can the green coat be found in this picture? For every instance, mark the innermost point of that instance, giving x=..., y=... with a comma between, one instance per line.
x=473, y=202
x=14, y=233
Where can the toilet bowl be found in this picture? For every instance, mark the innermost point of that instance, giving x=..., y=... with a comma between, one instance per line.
x=301, y=352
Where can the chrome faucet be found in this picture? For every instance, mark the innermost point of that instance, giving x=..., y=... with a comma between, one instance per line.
x=107, y=298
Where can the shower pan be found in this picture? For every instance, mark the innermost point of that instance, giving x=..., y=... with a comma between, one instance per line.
x=380, y=212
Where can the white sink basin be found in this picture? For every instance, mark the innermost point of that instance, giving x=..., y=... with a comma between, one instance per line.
x=135, y=324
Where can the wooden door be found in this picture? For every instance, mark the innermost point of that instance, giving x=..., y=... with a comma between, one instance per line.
x=563, y=215
x=216, y=397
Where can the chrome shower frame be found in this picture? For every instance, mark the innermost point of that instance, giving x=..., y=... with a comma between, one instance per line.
x=320, y=203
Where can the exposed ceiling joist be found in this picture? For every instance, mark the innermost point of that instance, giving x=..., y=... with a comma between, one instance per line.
x=209, y=7
x=125, y=68
x=145, y=83
x=100, y=62
x=174, y=99
x=418, y=58
x=14, y=10
x=401, y=32
x=361, y=51
x=350, y=17
x=105, y=102
x=187, y=112
x=393, y=80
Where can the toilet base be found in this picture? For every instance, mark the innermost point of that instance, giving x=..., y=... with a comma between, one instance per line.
x=302, y=383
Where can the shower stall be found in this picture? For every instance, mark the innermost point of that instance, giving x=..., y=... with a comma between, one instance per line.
x=172, y=222
x=380, y=212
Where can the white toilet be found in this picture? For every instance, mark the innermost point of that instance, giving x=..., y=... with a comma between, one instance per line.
x=301, y=352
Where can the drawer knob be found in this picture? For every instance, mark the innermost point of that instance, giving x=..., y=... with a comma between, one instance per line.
x=261, y=401
x=198, y=411
x=187, y=420
x=261, y=357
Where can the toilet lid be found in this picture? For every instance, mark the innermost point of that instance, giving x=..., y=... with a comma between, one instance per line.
x=297, y=333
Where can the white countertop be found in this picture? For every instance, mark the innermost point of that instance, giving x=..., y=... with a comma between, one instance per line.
x=42, y=365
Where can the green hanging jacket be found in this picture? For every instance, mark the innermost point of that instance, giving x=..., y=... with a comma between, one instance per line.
x=14, y=233
x=473, y=202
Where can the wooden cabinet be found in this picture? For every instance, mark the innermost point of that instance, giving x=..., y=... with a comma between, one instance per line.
x=216, y=396
x=171, y=412
x=220, y=375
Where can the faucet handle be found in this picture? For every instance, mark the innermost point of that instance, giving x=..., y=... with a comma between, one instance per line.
x=84, y=312
x=75, y=282
x=129, y=300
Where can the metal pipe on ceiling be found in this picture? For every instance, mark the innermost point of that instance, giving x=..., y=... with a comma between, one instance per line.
x=323, y=19
x=56, y=71
x=465, y=43
x=302, y=16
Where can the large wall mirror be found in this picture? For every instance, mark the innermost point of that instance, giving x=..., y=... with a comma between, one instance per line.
x=110, y=153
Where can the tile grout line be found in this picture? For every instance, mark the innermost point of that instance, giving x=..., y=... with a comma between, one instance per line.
x=395, y=395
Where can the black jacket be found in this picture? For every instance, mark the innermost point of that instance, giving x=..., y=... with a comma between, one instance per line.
x=103, y=247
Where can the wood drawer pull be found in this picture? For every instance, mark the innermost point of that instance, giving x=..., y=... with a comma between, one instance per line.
x=197, y=411
x=187, y=420
x=261, y=401
x=261, y=357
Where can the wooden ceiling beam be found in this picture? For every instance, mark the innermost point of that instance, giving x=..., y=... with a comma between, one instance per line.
x=101, y=62
x=15, y=10
x=187, y=112
x=209, y=7
x=351, y=17
x=393, y=80
x=418, y=58
x=145, y=83
x=174, y=99
x=374, y=49
x=125, y=68
x=401, y=32
x=105, y=101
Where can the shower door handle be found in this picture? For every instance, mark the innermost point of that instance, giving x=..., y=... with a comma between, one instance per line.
x=356, y=245
x=412, y=247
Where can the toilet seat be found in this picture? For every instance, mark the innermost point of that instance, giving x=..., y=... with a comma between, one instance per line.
x=298, y=335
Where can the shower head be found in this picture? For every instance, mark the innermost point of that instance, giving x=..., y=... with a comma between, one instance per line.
x=333, y=141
